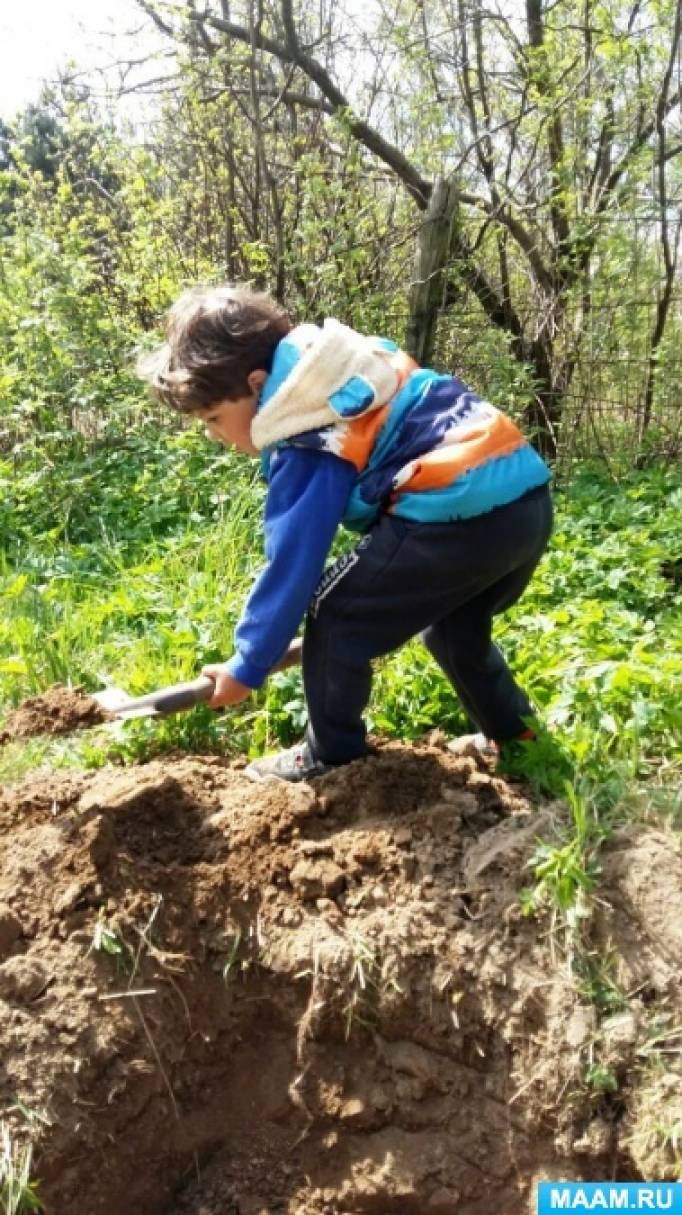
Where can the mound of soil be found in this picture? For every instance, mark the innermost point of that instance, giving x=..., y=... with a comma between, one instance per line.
x=221, y=998
x=60, y=710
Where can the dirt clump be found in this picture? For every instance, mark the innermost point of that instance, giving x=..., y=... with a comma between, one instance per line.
x=59, y=710
x=221, y=998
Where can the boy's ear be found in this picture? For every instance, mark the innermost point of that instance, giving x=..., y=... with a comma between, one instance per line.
x=256, y=379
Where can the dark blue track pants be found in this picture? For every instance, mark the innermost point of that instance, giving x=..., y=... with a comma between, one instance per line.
x=444, y=580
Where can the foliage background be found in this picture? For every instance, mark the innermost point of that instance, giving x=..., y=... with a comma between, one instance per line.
x=127, y=544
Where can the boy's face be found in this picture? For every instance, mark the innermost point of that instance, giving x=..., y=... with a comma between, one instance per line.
x=229, y=421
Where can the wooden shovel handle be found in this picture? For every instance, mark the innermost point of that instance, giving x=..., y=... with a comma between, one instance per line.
x=178, y=696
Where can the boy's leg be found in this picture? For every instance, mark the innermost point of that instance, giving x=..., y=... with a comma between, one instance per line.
x=395, y=584
x=352, y=620
x=462, y=645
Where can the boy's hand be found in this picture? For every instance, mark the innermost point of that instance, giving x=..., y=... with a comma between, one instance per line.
x=228, y=691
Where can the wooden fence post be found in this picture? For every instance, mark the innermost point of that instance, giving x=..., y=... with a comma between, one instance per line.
x=428, y=288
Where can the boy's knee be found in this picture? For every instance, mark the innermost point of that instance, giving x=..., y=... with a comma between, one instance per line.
x=459, y=641
x=459, y=653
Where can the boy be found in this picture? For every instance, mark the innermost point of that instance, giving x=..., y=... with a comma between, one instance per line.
x=453, y=503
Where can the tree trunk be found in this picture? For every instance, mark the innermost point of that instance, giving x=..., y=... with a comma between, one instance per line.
x=646, y=408
x=542, y=415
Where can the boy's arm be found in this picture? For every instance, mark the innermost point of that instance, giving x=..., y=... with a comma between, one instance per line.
x=307, y=495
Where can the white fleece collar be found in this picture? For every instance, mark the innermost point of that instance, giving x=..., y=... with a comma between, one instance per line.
x=340, y=375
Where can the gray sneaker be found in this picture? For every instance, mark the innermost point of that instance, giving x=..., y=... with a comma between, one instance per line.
x=295, y=764
x=479, y=744
x=474, y=745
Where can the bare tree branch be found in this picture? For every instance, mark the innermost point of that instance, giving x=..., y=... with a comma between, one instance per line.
x=418, y=186
x=282, y=96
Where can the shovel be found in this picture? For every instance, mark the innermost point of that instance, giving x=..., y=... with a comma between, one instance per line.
x=177, y=696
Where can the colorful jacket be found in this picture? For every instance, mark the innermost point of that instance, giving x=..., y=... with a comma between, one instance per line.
x=409, y=441
x=423, y=446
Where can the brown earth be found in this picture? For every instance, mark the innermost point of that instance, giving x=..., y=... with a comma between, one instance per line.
x=340, y=1007
x=60, y=710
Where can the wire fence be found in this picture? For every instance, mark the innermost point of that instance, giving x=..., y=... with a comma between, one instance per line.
x=604, y=410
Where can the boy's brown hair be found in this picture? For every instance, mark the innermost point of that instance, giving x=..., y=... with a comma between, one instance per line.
x=215, y=336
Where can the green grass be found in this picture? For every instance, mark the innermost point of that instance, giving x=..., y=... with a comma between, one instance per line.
x=18, y=1193
x=130, y=566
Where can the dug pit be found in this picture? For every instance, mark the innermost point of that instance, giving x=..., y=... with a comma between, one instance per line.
x=220, y=998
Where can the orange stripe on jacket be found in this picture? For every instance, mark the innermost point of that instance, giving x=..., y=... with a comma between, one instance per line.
x=470, y=446
x=358, y=440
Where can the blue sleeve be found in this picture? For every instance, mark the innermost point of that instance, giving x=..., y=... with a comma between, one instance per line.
x=307, y=495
